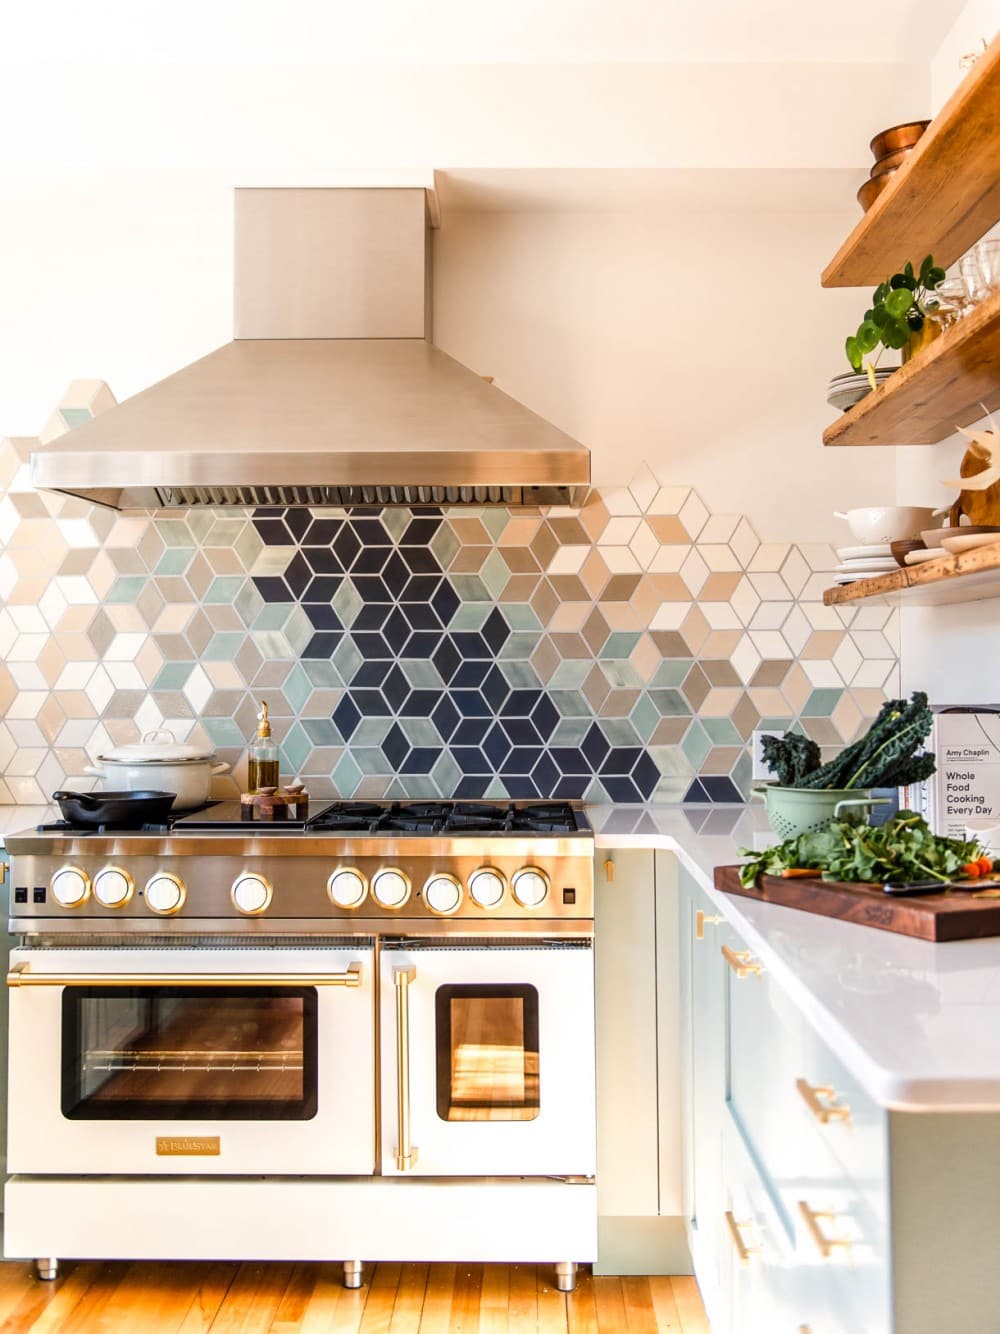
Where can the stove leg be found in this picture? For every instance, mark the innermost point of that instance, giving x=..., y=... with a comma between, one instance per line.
x=566, y=1276
x=47, y=1268
x=352, y=1274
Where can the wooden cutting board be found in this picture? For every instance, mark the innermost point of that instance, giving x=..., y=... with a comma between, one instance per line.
x=955, y=915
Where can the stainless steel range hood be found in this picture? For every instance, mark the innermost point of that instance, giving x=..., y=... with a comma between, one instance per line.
x=331, y=393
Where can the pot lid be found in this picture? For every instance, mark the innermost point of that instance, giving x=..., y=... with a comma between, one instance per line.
x=158, y=747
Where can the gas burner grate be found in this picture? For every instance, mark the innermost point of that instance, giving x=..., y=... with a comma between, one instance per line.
x=450, y=817
x=70, y=827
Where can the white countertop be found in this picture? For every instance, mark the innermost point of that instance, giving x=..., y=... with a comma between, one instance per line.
x=918, y=1024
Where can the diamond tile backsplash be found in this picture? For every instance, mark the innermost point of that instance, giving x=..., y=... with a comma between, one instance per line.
x=621, y=652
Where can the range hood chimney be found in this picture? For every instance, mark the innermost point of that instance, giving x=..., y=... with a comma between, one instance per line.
x=331, y=392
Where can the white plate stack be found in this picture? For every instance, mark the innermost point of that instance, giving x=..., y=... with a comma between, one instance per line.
x=866, y=562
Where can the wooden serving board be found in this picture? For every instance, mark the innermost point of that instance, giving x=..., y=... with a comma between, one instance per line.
x=956, y=915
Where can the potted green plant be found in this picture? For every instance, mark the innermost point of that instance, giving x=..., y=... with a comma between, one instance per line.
x=897, y=317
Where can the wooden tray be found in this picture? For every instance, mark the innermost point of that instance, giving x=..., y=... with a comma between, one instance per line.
x=956, y=915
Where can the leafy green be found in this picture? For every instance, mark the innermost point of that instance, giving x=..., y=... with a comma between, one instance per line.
x=790, y=757
x=896, y=313
x=898, y=852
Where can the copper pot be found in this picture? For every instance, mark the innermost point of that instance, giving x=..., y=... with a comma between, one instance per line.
x=897, y=137
x=872, y=188
x=890, y=162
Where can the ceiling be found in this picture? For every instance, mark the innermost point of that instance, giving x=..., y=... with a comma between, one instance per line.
x=475, y=31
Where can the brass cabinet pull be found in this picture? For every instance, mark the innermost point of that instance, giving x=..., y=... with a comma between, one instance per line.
x=700, y=920
x=824, y=1244
x=21, y=976
x=406, y=1154
x=609, y=871
x=744, y=1252
x=741, y=962
x=819, y=1098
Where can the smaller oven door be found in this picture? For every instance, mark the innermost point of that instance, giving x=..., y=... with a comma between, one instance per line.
x=487, y=1059
x=191, y=1061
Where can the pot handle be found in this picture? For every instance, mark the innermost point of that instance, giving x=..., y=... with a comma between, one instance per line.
x=221, y=768
x=93, y=770
x=859, y=801
x=157, y=732
x=839, y=514
x=85, y=799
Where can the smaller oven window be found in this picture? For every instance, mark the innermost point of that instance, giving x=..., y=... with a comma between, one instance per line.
x=487, y=1053
x=189, y=1053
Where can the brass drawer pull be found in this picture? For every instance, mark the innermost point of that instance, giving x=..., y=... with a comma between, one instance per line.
x=22, y=976
x=700, y=921
x=741, y=962
x=820, y=1099
x=824, y=1244
x=744, y=1252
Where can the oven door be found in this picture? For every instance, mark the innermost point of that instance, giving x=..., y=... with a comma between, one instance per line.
x=192, y=1061
x=487, y=1059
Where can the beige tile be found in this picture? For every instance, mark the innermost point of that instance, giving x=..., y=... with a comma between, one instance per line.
x=595, y=689
x=720, y=759
x=670, y=643
x=594, y=574
x=669, y=731
x=822, y=644
x=719, y=587
x=696, y=687
x=695, y=630
x=594, y=516
x=519, y=560
x=620, y=616
x=570, y=646
x=596, y=631
x=720, y=702
x=545, y=660
x=721, y=643
x=520, y=532
x=769, y=701
x=668, y=529
x=620, y=703
x=469, y=560
x=720, y=672
x=520, y=588
x=569, y=616
x=771, y=672
x=796, y=687
x=569, y=588
x=745, y=716
x=544, y=545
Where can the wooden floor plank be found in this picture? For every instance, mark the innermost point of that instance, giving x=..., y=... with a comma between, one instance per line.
x=48, y=1306
x=409, y=1299
x=16, y=1278
x=610, y=1304
x=165, y=1294
x=493, y=1300
x=295, y=1300
x=212, y=1284
x=436, y=1314
x=662, y=1292
x=687, y=1299
x=466, y=1299
x=253, y=1298
x=581, y=1308
x=522, y=1312
x=639, y=1310
x=334, y=1309
x=381, y=1299
x=552, y=1318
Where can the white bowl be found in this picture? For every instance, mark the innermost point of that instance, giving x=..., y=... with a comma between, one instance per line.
x=888, y=523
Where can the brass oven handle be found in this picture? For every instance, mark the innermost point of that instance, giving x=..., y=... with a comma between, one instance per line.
x=741, y=962
x=21, y=976
x=406, y=1154
x=744, y=1252
x=824, y=1244
x=819, y=1098
x=700, y=921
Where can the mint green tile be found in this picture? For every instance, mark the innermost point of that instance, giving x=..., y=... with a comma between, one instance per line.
x=346, y=602
x=569, y=732
x=822, y=702
x=272, y=645
x=322, y=732
x=418, y=786
x=444, y=545
x=174, y=561
x=321, y=672
x=570, y=703
x=371, y=760
x=671, y=760
x=298, y=630
x=519, y=647
x=570, y=674
x=470, y=616
x=495, y=574
x=620, y=644
x=371, y=731
x=421, y=674
x=519, y=616
x=520, y=675
x=173, y=675
x=346, y=776
x=224, y=532
x=671, y=672
x=225, y=589
x=446, y=774
x=248, y=546
x=495, y=520
x=200, y=522
x=126, y=588
x=596, y=794
x=775, y=724
x=671, y=703
x=294, y=749
x=347, y=659
x=496, y=790
x=174, y=533
x=297, y=687
x=620, y=732
x=723, y=731
x=671, y=791
x=395, y=521
x=224, y=646
x=742, y=775
x=420, y=731
x=470, y=588
x=75, y=416
x=272, y=616
x=696, y=744
x=248, y=603
x=645, y=717
x=223, y=732
x=273, y=560
x=621, y=675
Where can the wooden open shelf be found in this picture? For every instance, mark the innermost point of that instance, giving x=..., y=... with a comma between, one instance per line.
x=970, y=577
x=942, y=387
x=945, y=196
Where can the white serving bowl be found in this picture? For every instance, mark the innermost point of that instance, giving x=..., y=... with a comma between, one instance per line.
x=888, y=523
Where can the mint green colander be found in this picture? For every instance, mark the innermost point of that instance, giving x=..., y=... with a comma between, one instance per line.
x=792, y=811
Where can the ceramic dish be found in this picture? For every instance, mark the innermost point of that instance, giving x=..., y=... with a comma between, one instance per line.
x=886, y=523
x=849, y=566
x=934, y=537
x=918, y=557
x=969, y=542
x=873, y=551
x=854, y=575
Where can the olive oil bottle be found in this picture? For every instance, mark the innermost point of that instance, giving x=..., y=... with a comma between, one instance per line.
x=262, y=769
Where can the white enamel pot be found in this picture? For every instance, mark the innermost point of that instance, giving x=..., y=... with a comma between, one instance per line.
x=163, y=766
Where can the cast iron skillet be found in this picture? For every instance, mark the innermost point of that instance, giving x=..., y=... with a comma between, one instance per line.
x=114, y=808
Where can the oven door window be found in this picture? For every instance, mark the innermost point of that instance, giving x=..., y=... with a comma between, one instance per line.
x=487, y=1053
x=189, y=1053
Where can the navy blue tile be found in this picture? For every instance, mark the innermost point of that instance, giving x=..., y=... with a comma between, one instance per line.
x=420, y=616
x=371, y=588
x=346, y=716
x=445, y=716
x=321, y=532
x=297, y=521
x=570, y=760
x=395, y=687
x=369, y=560
x=521, y=703
x=423, y=644
x=445, y=658
x=520, y=787
x=470, y=675
x=470, y=759
x=570, y=789
x=495, y=688
x=420, y=703
x=696, y=793
x=496, y=745
x=421, y=588
x=346, y=545
x=471, y=789
x=521, y=731
x=268, y=511
x=620, y=788
x=321, y=589
x=470, y=704
x=370, y=644
x=545, y=774
x=471, y=731
x=420, y=560
x=395, y=574
x=544, y=715
x=720, y=788
x=495, y=630
x=370, y=703
x=521, y=760
x=471, y=644
x=271, y=588
x=445, y=602
x=272, y=532
x=322, y=616
x=371, y=674
x=595, y=746
x=372, y=616
x=420, y=530
x=322, y=645
x=620, y=760
x=322, y=560
x=645, y=775
x=297, y=575
x=370, y=531
x=396, y=630
x=395, y=747
x=421, y=760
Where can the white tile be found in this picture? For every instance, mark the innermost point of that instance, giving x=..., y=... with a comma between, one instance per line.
x=820, y=672
x=744, y=542
x=670, y=615
x=769, y=557
x=618, y=532
x=670, y=500
x=568, y=559
x=694, y=571
x=197, y=689
x=693, y=514
x=745, y=659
